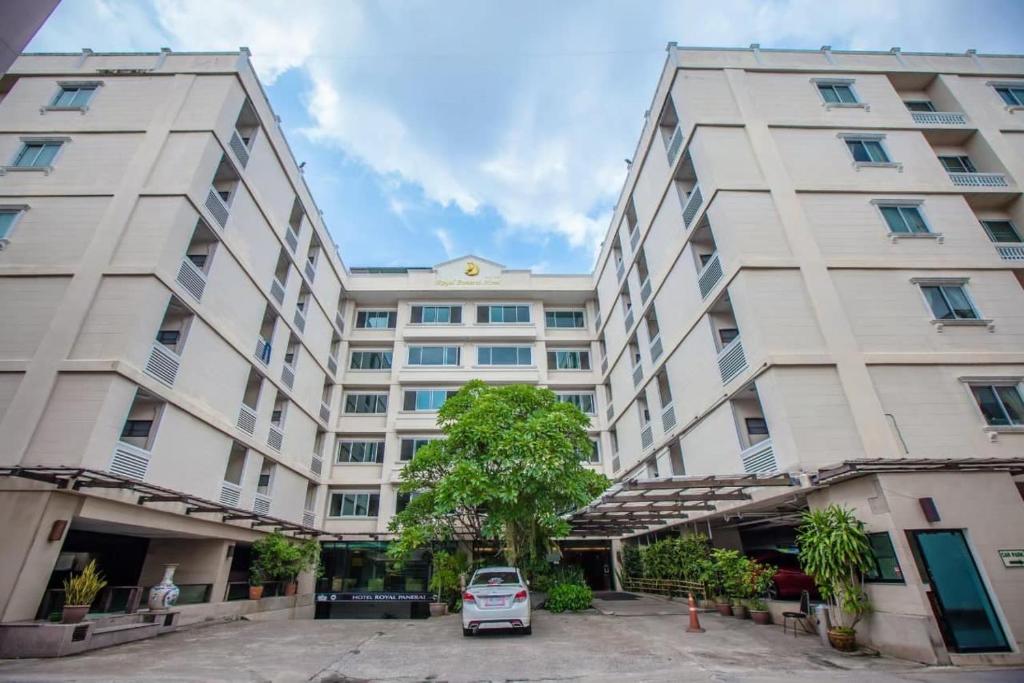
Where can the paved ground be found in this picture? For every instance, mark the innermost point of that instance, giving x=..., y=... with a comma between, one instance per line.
x=640, y=643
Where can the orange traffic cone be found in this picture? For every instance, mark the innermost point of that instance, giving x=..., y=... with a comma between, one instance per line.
x=694, y=621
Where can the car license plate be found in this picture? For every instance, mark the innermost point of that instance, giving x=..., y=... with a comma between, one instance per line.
x=494, y=602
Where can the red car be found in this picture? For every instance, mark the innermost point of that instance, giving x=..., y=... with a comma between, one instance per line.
x=790, y=580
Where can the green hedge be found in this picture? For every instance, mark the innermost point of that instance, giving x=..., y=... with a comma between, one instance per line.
x=571, y=597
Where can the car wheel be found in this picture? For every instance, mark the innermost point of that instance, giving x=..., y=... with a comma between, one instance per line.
x=773, y=591
x=467, y=632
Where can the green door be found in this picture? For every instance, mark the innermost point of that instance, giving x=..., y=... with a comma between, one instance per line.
x=968, y=617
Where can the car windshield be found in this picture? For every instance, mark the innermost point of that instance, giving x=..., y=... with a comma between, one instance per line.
x=494, y=578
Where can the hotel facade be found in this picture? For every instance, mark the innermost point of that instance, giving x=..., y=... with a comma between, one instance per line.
x=812, y=291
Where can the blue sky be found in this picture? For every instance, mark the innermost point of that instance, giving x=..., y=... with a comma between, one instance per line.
x=433, y=129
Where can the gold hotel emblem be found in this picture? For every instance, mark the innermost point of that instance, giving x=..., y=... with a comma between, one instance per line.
x=472, y=269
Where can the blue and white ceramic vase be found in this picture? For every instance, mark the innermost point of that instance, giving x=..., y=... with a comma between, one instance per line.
x=163, y=595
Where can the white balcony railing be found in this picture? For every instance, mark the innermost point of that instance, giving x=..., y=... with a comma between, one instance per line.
x=129, y=461
x=759, y=458
x=316, y=465
x=656, y=348
x=163, y=364
x=645, y=290
x=1011, y=252
x=325, y=412
x=291, y=239
x=261, y=504
x=668, y=418
x=979, y=179
x=263, y=350
x=288, y=375
x=674, y=145
x=939, y=118
x=238, y=147
x=731, y=360
x=693, y=202
x=275, y=438
x=332, y=364
x=217, y=208
x=277, y=290
x=230, y=494
x=647, y=436
x=638, y=375
x=191, y=279
x=246, y=419
x=709, y=275
x=300, y=320
x=308, y=518
x=339, y=322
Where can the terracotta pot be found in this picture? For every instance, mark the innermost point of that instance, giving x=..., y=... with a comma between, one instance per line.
x=724, y=608
x=740, y=612
x=291, y=587
x=255, y=592
x=438, y=609
x=762, y=617
x=74, y=613
x=844, y=641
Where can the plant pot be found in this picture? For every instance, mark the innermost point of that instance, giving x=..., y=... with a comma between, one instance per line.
x=255, y=592
x=762, y=617
x=74, y=613
x=740, y=611
x=291, y=587
x=724, y=608
x=438, y=609
x=844, y=641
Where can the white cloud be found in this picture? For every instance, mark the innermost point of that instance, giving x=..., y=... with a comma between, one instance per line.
x=445, y=238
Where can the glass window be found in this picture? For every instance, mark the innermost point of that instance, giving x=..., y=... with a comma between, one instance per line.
x=756, y=426
x=168, y=337
x=837, y=93
x=594, y=456
x=360, y=451
x=998, y=231
x=433, y=355
x=1002, y=405
x=137, y=428
x=412, y=446
x=494, y=578
x=36, y=154
x=72, y=96
x=569, y=360
x=585, y=402
x=1013, y=95
x=949, y=302
x=7, y=218
x=431, y=399
x=886, y=566
x=436, y=315
x=564, y=319
x=920, y=105
x=904, y=219
x=370, y=360
x=354, y=504
x=507, y=314
x=504, y=355
x=366, y=403
x=376, y=320
x=868, y=151
x=727, y=334
x=957, y=164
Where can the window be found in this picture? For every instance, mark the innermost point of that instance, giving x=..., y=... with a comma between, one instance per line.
x=949, y=302
x=198, y=260
x=585, y=402
x=411, y=446
x=904, y=219
x=437, y=315
x=756, y=426
x=958, y=164
x=136, y=428
x=360, y=452
x=1001, y=404
x=425, y=399
x=354, y=504
x=366, y=403
x=837, y=93
x=434, y=355
x=503, y=314
x=504, y=355
x=594, y=455
x=919, y=105
x=168, y=337
x=73, y=96
x=8, y=217
x=402, y=501
x=886, y=567
x=1013, y=95
x=36, y=154
x=867, y=151
x=998, y=231
x=727, y=334
x=564, y=319
x=370, y=360
x=568, y=360
x=376, y=320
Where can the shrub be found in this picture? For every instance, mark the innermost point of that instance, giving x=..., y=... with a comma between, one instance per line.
x=632, y=561
x=553, y=575
x=277, y=557
x=571, y=597
x=444, y=579
x=81, y=589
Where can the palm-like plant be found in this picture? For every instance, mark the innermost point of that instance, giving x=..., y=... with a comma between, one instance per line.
x=81, y=589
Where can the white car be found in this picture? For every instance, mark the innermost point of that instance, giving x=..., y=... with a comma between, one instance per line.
x=496, y=597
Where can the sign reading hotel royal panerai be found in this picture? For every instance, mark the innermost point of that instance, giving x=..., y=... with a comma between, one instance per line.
x=375, y=596
x=468, y=271
x=1012, y=558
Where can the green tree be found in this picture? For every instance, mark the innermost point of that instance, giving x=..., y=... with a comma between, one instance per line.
x=509, y=465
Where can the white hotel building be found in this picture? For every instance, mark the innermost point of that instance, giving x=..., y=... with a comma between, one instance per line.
x=815, y=268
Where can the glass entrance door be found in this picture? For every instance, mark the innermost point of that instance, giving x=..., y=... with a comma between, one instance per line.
x=968, y=618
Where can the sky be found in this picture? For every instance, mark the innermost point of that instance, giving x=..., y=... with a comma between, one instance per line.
x=435, y=129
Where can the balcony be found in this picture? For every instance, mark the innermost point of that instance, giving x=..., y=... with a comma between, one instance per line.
x=325, y=412
x=129, y=461
x=291, y=239
x=310, y=271
x=309, y=518
x=759, y=458
x=191, y=279
x=246, y=419
x=332, y=364
x=656, y=348
x=288, y=375
x=647, y=436
x=620, y=269
x=230, y=494
x=238, y=147
x=645, y=290
x=163, y=364
x=638, y=375
x=939, y=118
x=668, y=418
x=217, y=208
x=731, y=360
x=1011, y=251
x=628, y=322
x=597, y=322
x=316, y=465
x=978, y=179
x=275, y=437
x=300, y=320
x=277, y=291
x=261, y=504
x=674, y=145
x=634, y=239
x=339, y=322
x=263, y=350
x=693, y=203
x=709, y=276
x=604, y=365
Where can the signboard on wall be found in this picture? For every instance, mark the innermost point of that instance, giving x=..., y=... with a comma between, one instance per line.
x=1012, y=558
x=375, y=596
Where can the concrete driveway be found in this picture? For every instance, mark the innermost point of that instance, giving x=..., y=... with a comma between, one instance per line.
x=651, y=645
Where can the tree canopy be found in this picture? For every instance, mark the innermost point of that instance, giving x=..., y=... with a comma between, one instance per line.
x=509, y=465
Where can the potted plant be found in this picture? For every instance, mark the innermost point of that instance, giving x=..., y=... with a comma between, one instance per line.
x=759, y=578
x=255, y=582
x=834, y=550
x=282, y=559
x=79, y=592
x=447, y=569
x=725, y=579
